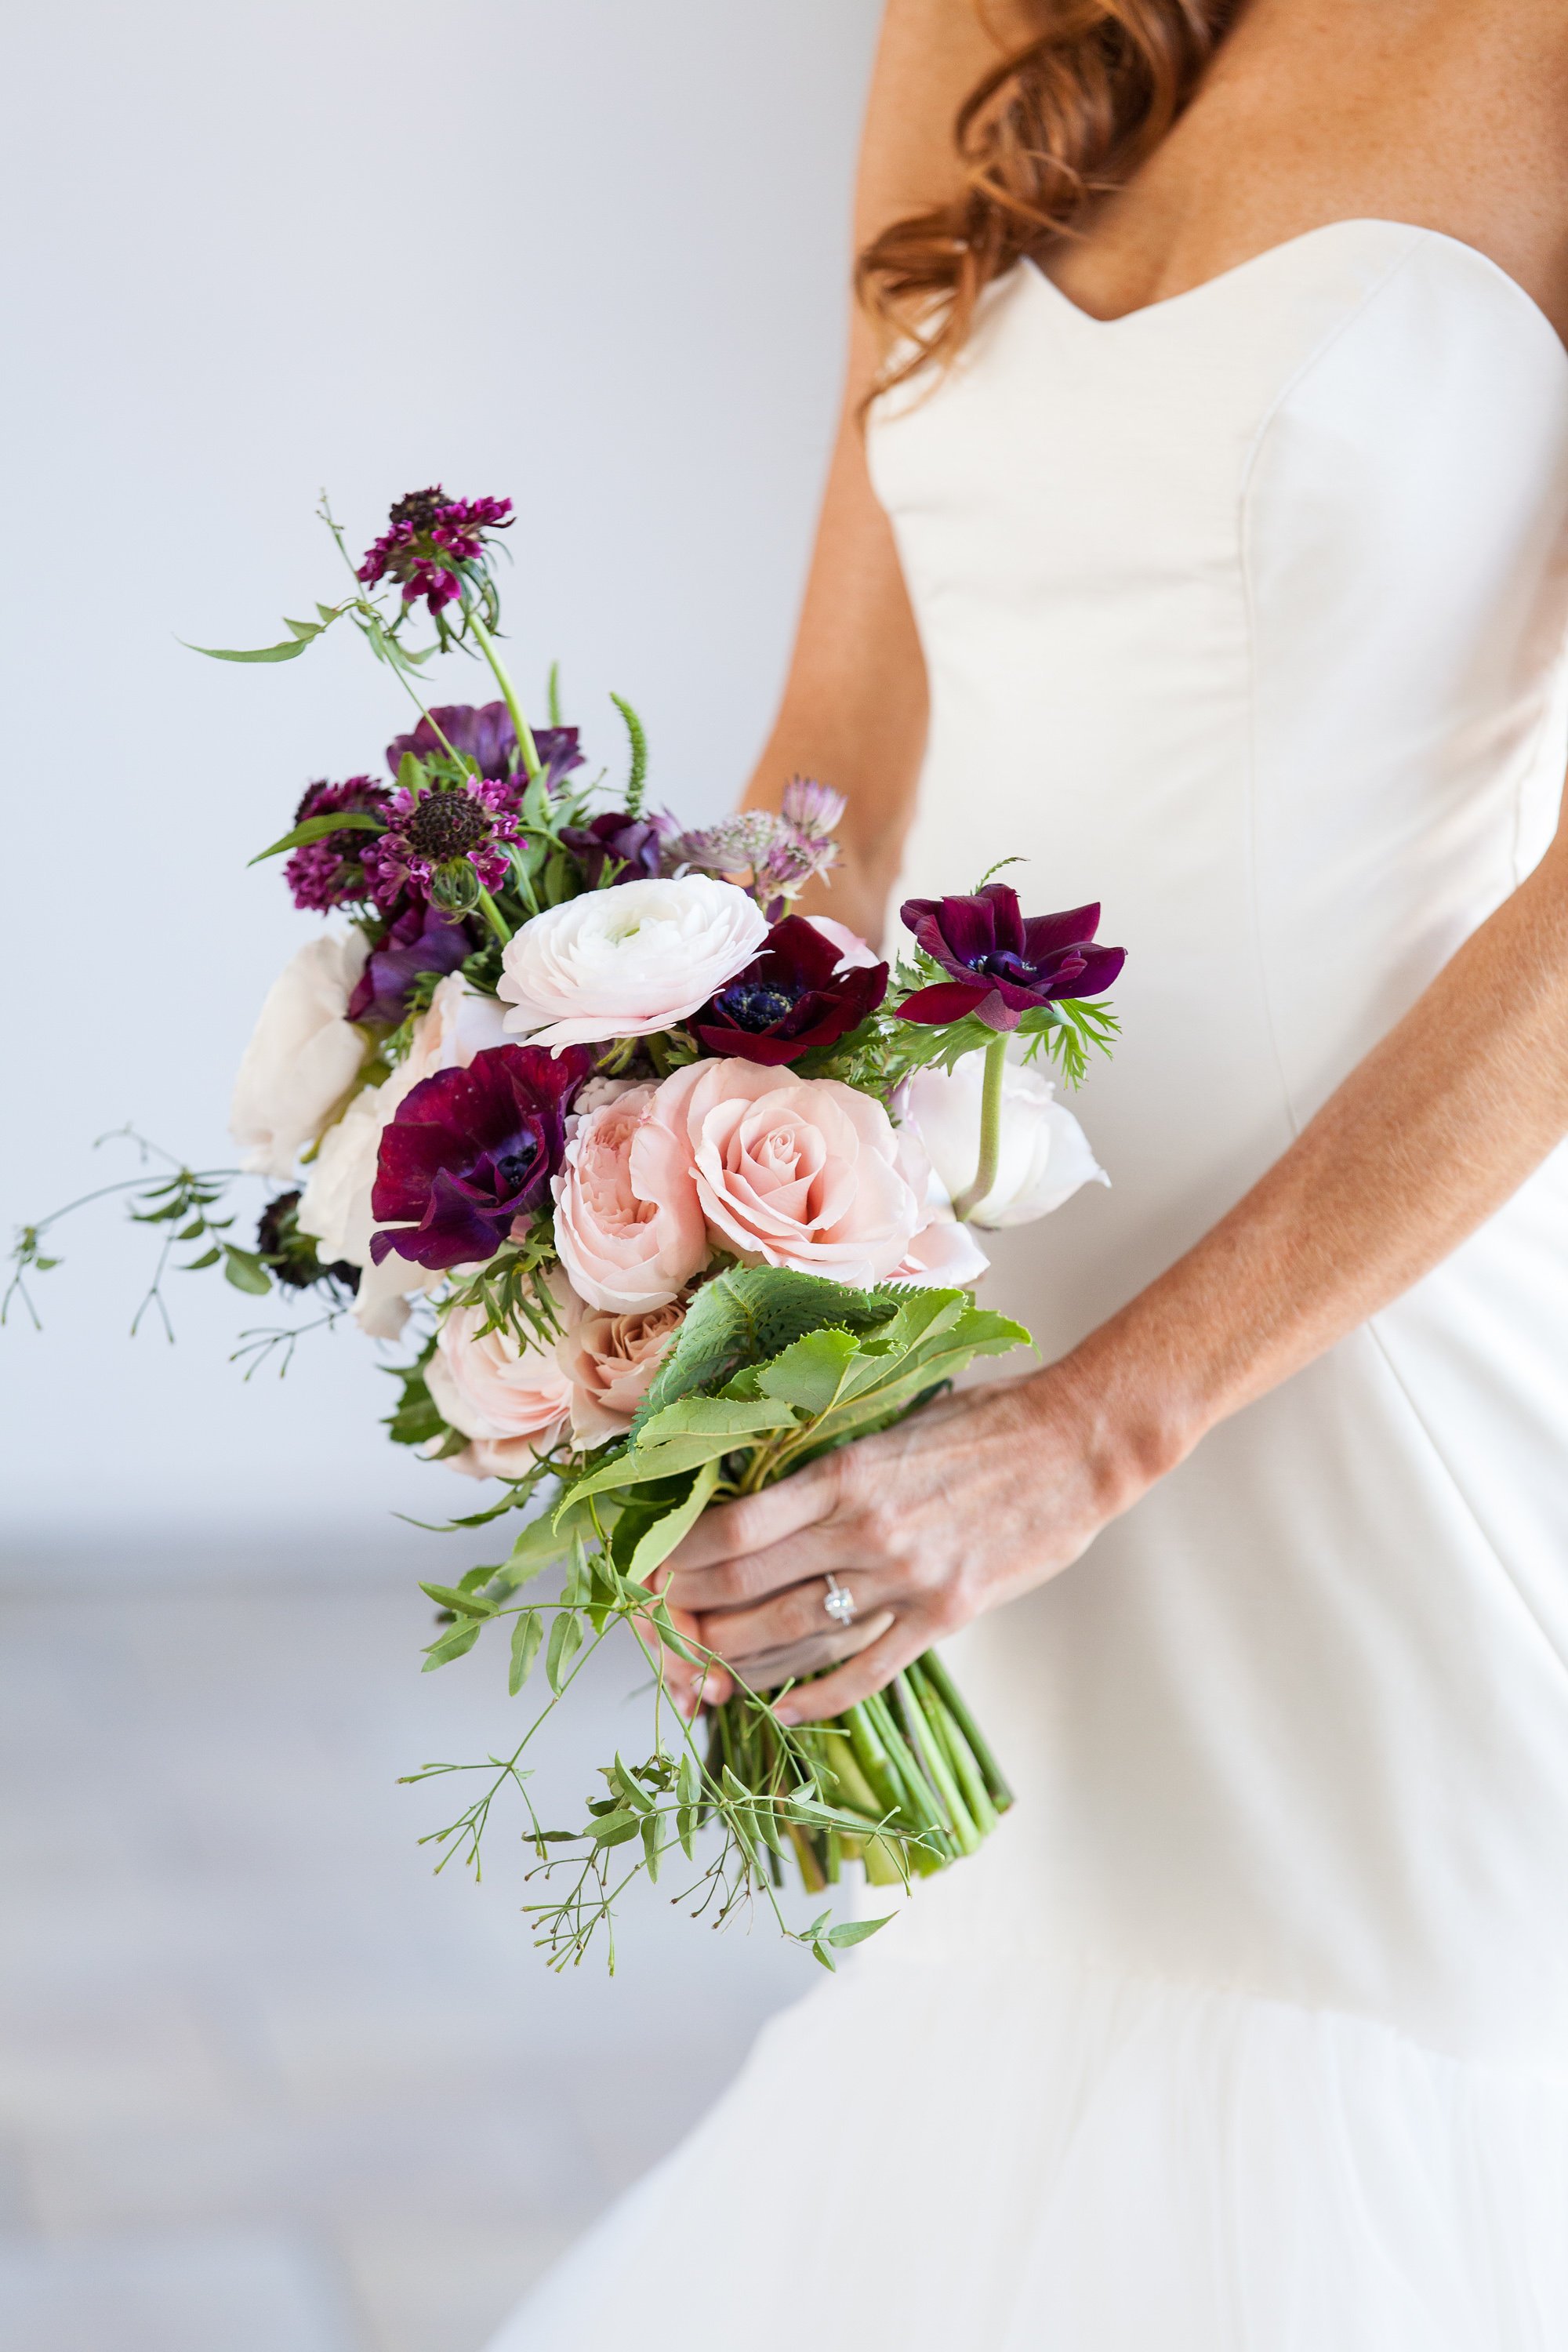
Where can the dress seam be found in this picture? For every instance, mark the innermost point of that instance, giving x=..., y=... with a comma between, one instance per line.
x=1244, y=542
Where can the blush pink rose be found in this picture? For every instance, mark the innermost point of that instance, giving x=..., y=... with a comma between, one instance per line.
x=629, y=1223
x=796, y=1171
x=610, y=1360
x=512, y=1401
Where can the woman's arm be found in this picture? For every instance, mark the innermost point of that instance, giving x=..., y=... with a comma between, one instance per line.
x=854, y=705
x=993, y=1492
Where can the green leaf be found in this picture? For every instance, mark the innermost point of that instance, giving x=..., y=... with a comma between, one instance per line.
x=639, y=1467
x=820, y=1952
x=650, y=1829
x=467, y=1604
x=526, y=1636
x=451, y=1646
x=665, y=1627
x=655, y=1547
x=748, y=1314
x=811, y=1372
x=700, y=1416
x=207, y=1257
x=565, y=1640
x=315, y=828
x=539, y=1547
x=617, y=1828
x=855, y=1931
x=287, y=651
x=246, y=1271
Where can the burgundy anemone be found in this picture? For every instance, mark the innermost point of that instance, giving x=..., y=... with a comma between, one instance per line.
x=422, y=938
x=792, y=997
x=328, y=872
x=427, y=534
x=469, y=1150
x=1003, y=963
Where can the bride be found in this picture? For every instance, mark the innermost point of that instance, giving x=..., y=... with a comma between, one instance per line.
x=1199, y=527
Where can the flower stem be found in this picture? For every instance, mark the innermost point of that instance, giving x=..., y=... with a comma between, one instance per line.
x=525, y=742
x=493, y=916
x=972, y=1197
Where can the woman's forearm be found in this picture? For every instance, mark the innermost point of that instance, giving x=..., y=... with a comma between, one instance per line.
x=1430, y=1134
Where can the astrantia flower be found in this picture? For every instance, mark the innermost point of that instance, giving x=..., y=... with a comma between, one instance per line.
x=628, y=961
x=469, y=1150
x=797, y=993
x=484, y=733
x=330, y=872
x=427, y=534
x=781, y=853
x=1003, y=963
x=629, y=845
x=431, y=837
x=422, y=938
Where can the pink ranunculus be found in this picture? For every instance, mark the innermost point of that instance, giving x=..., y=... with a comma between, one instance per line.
x=512, y=1400
x=795, y=1171
x=629, y=1223
x=610, y=1361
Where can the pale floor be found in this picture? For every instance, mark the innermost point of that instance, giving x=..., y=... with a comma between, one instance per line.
x=266, y=2085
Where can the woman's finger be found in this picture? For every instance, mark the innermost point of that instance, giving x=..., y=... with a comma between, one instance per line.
x=767, y=1653
x=876, y=1666
x=807, y=1557
x=753, y=1522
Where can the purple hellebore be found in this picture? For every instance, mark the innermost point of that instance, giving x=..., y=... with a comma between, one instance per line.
x=1003, y=963
x=484, y=733
x=632, y=845
x=792, y=997
x=469, y=1150
x=422, y=939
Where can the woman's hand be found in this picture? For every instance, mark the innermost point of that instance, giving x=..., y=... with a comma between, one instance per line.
x=961, y=1506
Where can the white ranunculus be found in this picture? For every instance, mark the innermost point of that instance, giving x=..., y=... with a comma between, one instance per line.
x=626, y=962
x=335, y=1206
x=302, y=1058
x=1045, y=1154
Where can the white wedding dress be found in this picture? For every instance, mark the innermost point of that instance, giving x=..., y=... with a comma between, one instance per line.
x=1249, y=2031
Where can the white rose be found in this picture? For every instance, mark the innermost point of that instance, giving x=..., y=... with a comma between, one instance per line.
x=1045, y=1154
x=626, y=962
x=335, y=1206
x=303, y=1055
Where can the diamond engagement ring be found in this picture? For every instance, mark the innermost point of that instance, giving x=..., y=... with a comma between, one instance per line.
x=839, y=1602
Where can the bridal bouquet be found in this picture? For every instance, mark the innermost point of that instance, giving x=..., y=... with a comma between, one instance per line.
x=665, y=1189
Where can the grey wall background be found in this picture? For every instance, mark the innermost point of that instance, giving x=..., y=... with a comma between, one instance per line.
x=589, y=254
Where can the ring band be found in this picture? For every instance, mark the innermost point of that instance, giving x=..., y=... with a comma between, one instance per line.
x=839, y=1602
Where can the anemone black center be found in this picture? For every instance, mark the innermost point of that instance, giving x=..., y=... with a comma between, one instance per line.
x=445, y=824
x=420, y=508
x=1002, y=963
x=756, y=1004
x=513, y=1167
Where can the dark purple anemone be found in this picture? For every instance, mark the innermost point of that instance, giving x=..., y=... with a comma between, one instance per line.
x=1003, y=963
x=792, y=997
x=328, y=872
x=631, y=847
x=469, y=1150
x=428, y=534
x=484, y=733
x=421, y=940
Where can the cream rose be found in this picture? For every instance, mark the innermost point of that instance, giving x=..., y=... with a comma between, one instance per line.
x=609, y=1360
x=508, y=1399
x=629, y=1223
x=626, y=962
x=303, y=1055
x=335, y=1205
x=796, y=1171
x=1045, y=1154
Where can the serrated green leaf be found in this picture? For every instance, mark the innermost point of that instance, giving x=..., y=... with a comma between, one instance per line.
x=565, y=1640
x=452, y=1596
x=526, y=1636
x=811, y=1372
x=702, y=1416
x=748, y=1314
x=315, y=828
x=640, y=1466
x=451, y=1646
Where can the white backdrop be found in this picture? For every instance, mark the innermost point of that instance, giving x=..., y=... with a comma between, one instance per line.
x=588, y=253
